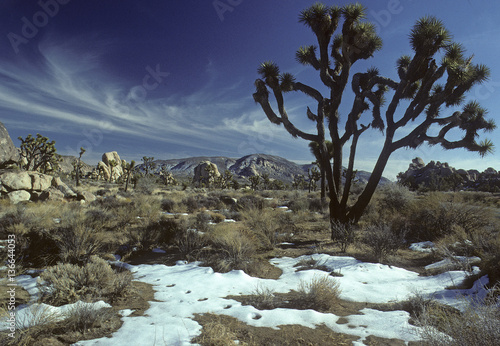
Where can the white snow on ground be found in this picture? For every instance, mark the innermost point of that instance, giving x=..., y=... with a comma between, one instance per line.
x=35, y=314
x=187, y=288
x=424, y=246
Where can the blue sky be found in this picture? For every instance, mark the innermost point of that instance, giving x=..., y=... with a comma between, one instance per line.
x=172, y=79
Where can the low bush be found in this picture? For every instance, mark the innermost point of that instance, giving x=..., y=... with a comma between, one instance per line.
x=317, y=205
x=477, y=324
x=436, y=215
x=343, y=234
x=67, y=283
x=82, y=317
x=321, y=293
x=168, y=205
x=267, y=225
x=383, y=240
x=233, y=247
x=249, y=202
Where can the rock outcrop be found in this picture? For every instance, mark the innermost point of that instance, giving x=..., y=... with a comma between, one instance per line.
x=8, y=152
x=205, y=173
x=441, y=176
x=110, y=168
x=28, y=185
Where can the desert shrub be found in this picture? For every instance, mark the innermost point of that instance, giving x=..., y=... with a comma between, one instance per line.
x=308, y=263
x=477, y=324
x=383, y=240
x=248, y=202
x=263, y=298
x=297, y=205
x=77, y=244
x=437, y=215
x=157, y=232
x=146, y=207
x=191, y=203
x=267, y=224
x=233, y=248
x=217, y=217
x=98, y=218
x=67, y=283
x=36, y=320
x=395, y=198
x=146, y=184
x=210, y=202
x=343, y=234
x=82, y=317
x=168, y=205
x=190, y=242
x=317, y=205
x=321, y=293
x=109, y=203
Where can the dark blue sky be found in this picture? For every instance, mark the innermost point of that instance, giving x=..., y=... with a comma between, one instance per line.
x=172, y=79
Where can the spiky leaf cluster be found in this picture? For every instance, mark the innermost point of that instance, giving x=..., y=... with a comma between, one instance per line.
x=38, y=154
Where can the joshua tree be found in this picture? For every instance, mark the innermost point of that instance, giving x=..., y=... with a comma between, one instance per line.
x=148, y=164
x=128, y=167
x=254, y=182
x=38, y=154
x=431, y=82
x=223, y=181
x=112, y=164
x=79, y=166
x=314, y=176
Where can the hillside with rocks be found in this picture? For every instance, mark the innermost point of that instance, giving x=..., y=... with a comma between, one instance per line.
x=256, y=164
x=441, y=176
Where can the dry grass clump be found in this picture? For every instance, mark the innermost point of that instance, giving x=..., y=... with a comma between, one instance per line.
x=37, y=320
x=383, y=240
x=437, y=214
x=83, y=317
x=321, y=293
x=67, y=283
x=343, y=234
x=216, y=333
x=308, y=263
x=234, y=247
x=270, y=226
x=478, y=324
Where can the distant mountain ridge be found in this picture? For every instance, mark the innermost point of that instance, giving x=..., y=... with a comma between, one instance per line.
x=247, y=166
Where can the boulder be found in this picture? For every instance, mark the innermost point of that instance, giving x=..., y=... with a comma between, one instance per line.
x=61, y=186
x=19, y=196
x=40, y=182
x=8, y=152
x=106, y=171
x=202, y=173
x=86, y=196
x=51, y=194
x=16, y=181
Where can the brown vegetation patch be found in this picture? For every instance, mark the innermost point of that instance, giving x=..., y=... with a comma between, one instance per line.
x=225, y=330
